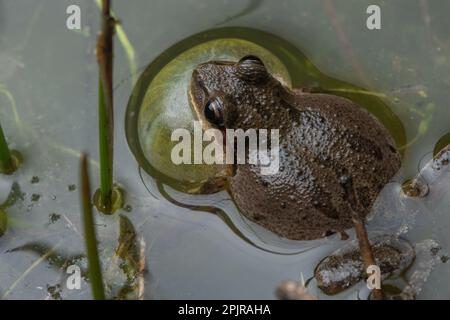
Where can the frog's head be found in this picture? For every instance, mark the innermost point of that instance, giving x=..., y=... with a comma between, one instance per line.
x=224, y=93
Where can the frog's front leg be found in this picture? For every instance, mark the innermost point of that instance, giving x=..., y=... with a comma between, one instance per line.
x=216, y=183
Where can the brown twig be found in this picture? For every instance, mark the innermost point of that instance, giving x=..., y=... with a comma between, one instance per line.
x=366, y=251
x=365, y=247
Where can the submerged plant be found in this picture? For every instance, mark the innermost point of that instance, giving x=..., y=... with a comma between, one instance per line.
x=56, y=259
x=124, y=271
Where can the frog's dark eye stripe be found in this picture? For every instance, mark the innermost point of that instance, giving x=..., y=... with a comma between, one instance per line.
x=251, y=68
x=214, y=110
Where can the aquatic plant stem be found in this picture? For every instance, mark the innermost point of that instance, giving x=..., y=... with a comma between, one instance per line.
x=126, y=45
x=95, y=273
x=6, y=164
x=106, y=159
x=106, y=110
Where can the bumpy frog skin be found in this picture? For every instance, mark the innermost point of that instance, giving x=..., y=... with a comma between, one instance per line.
x=325, y=141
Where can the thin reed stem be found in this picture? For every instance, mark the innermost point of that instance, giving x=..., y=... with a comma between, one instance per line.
x=105, y=109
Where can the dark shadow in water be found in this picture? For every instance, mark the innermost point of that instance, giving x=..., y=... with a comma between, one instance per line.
x=214, y=210
x=222, y=215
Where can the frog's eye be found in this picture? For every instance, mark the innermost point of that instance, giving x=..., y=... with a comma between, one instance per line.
x=252, y=69
x=250, y=59
x=214, y=110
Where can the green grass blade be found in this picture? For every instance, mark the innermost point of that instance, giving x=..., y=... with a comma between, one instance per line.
x=95, y=273
x=106, y=171
x=5, y=154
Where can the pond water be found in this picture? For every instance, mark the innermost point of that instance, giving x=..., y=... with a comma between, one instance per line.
x=201, y=247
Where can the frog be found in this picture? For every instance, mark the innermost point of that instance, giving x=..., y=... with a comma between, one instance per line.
x=325, y=141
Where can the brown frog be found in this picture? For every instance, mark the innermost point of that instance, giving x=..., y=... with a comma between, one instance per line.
x=325, y=141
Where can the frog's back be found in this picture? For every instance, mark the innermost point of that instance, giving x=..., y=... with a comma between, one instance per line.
x=331, y=138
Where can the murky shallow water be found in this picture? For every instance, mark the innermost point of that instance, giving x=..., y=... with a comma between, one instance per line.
x=48, y=96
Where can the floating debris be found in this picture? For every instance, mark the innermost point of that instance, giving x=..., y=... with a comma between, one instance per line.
x=442, y=159
x=54, y=291
x=344, y=267
x=35, y=179
x=428, y=256
x=126, y=267
x=416, y=188
x=435, y=174
x=54, y=217
x=56, y=259
x=291, y=290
